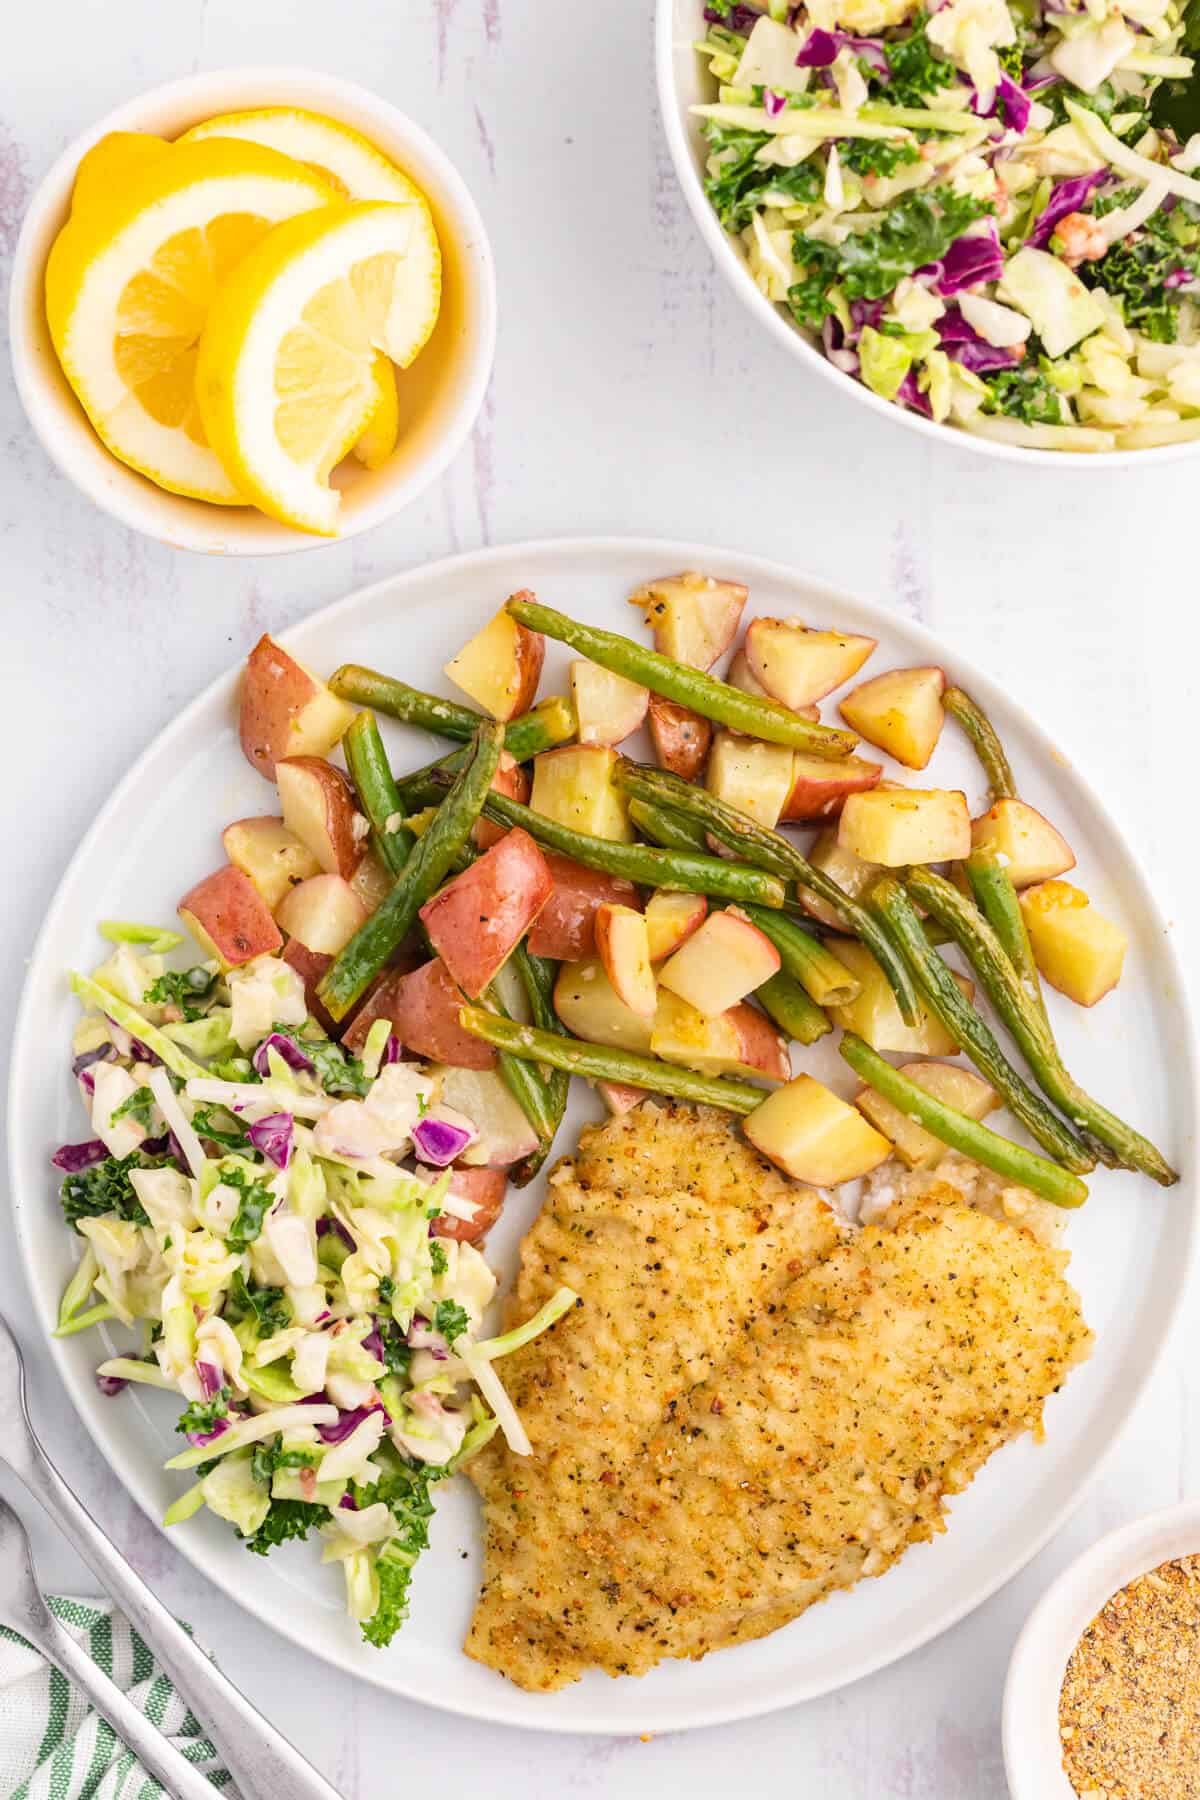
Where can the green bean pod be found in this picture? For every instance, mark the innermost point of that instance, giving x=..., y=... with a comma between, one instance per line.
x=683, y=871
x=598, y=1062
x=377, y=793
x=959, y=1131
x=804, y=957
x=893, y=907
x=986, y=744
x=713, y=699
x=768, y=849
x=785, y=1002
x=431, y=861
x=667, y=829
x=1116, y=1142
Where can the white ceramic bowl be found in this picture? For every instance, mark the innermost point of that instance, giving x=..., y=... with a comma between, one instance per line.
x=683, y=82
x=1032, y=1752
x=441, y=393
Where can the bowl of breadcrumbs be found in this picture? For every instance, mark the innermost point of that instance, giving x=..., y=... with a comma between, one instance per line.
x=1103, y=1694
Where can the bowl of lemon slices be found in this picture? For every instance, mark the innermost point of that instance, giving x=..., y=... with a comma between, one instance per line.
x=252, y=311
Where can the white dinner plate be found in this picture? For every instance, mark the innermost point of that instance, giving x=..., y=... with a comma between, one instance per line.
x=1131, y=1244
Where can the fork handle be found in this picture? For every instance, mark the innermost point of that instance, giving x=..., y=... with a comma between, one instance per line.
x=260, y=1759
x=157, y=1755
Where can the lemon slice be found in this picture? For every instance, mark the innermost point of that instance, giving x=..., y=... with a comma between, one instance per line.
x=118, y=157
x=359, y=172
x=382, y=428
x=356, y=168
x=286, y=374
x=130, y=280
x=339, y=153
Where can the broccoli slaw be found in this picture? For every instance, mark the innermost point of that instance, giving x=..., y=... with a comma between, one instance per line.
x=315, y=1304
x=976, y=210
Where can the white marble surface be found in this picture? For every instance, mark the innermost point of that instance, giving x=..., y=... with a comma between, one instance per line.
x=630, y=396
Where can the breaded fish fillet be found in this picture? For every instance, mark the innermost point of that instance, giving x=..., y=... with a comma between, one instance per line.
x=839, y=1406
x=675, y=1232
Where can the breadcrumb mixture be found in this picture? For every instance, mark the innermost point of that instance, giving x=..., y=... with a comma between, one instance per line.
x=1129, y=1709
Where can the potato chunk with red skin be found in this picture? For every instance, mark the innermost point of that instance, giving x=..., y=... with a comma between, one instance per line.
x=694, y=617
x=681, y=737
x=486, y=1189
x=271, y=855
x=899, y=712
x=477, y=920
x=1032, y=848
x=310, y=966
x=376, y=1003
x=423, y=1007
x=228, y=917
x=285, y=710
x=318, y=807
x=565, y=929
x=499, y=668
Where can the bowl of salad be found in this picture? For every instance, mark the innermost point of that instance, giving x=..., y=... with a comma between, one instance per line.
x=984, y=213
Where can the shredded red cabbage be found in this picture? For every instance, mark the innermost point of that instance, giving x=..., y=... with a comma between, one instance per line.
x=209, y=1377
x=1066, y=197
x=111, y=1385
x=289, y=1050
x=336, y=1226
x=909, y=394
x=741, y=19
x=965, y=346
x=821, y=48
x=1009, y=99
x=71, y=1158
x=273, y=1136
x=438, y=1141
x=969, y=260
x=349, y=1422
x=773, y=103
x=198, y=1439
x=393, y=1050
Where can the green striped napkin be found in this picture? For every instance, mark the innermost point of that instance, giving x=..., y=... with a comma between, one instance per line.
x=54, y=1747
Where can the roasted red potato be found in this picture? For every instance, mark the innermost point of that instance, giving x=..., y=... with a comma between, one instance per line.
x=820, y=787
x=285, y=710
x=476, y=921
x=228, y=917
x=694, y=617
x=323, y=913
x=486, y=1188
x=311, y=965
x=271, y=855
x=681, y=738
x=500, y=667
x=565, y=929
x=318, y=807
x=424, y=1007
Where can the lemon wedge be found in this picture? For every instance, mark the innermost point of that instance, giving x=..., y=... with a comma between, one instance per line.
x=286, y=377
x=130, y=280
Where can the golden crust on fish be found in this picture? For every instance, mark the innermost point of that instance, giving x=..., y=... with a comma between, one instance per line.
x=672, y=1253
x=709, y=1460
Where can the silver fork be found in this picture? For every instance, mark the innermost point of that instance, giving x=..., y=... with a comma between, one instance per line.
x=22, y=1607
x=264, y=1765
